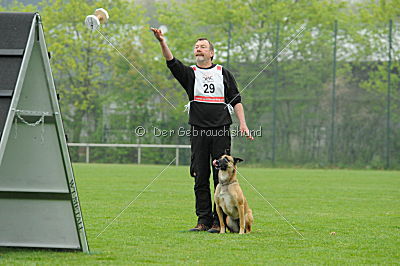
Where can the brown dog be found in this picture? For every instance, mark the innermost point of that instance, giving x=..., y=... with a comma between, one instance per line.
x=229, y=198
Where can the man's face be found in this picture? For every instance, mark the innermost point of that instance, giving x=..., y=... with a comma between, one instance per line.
x=202, y=51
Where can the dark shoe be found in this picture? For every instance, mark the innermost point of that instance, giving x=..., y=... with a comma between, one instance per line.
x=214, y=229
x=200, y=227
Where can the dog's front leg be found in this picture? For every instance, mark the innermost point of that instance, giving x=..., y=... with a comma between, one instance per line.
x=221, y=219
x=241, y=218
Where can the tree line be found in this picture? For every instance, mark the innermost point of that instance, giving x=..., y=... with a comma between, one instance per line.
x=320, y=94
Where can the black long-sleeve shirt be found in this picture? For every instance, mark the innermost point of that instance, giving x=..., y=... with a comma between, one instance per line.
x=206, y=114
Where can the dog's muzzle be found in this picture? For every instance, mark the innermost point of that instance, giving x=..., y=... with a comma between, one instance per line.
x=221, y=164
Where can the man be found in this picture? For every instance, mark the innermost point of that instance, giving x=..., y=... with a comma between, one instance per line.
x=213, y=95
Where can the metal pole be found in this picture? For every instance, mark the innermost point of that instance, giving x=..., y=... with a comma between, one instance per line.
x=87, y=153
x=228, y=64
x=177, y=157
x=274, y=95
x=388, y=97
x=229, y=44
x=333, y=107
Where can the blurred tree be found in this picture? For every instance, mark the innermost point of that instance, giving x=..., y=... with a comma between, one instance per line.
x=104, y=97
x=82, y=59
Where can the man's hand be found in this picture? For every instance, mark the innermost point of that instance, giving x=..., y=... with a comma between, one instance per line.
x=164, y=47
x=244, y=130
x=158, y=34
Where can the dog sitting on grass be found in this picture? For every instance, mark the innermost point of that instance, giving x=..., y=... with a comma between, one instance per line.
x=229, y=198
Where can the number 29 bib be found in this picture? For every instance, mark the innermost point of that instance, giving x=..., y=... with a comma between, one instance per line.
x=209, y=85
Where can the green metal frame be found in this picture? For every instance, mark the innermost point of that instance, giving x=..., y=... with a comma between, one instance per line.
x=17, y=91
x=37, y=194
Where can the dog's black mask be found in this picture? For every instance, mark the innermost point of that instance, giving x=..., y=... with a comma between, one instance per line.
x=221, y=164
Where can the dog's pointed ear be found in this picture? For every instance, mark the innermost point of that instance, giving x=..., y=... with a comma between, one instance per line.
x=237, y=160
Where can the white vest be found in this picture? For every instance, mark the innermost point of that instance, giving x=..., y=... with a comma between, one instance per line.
x=209, y=87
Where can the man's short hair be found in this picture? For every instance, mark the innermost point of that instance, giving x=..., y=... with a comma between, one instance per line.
x=211, y=45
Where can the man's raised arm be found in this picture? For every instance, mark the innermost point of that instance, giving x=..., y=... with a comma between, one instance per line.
x=163, y=43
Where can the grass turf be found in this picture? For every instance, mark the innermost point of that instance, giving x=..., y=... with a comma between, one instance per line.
x=362, y=207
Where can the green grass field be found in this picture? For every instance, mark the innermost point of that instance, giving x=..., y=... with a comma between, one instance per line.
x=362, y=207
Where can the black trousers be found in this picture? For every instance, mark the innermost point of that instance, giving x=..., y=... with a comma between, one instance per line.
x=207, y=144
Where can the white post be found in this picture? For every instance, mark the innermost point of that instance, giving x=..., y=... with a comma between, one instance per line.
x=87, y=153
x=139, y=153
x=177, y=156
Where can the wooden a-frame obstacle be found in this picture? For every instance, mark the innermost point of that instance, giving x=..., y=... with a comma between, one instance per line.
x=39, y=205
